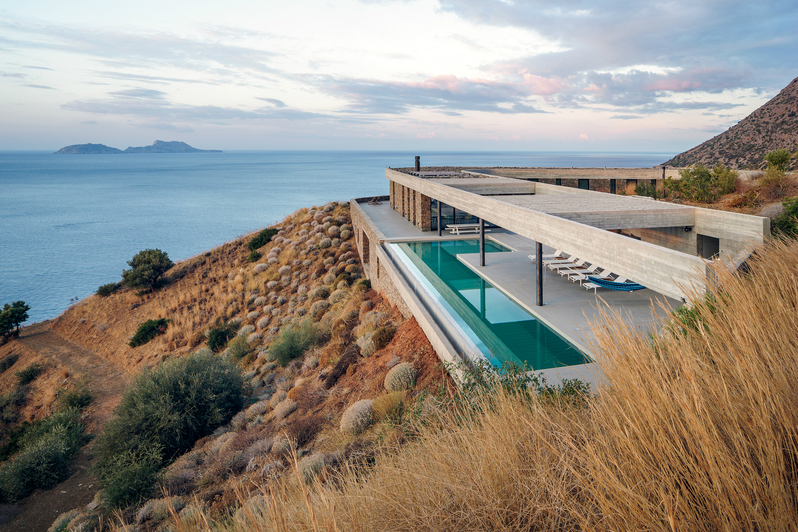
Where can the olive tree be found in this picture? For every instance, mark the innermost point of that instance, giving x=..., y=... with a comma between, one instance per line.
x=146, y=268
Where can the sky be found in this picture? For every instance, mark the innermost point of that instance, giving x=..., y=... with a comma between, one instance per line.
x=389, y=75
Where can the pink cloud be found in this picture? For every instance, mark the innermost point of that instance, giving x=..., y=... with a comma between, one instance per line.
x=427, y=135
x=584, y=136
x=543, y=86
x=671, y=84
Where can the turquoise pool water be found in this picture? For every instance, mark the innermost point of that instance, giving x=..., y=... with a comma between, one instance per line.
x=502, y=330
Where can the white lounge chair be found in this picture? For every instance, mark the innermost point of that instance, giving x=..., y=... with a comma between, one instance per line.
x=593, y=270
x=566, y=266
x=590, y=286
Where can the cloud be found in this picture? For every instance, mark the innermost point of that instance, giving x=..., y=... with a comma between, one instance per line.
x=446, y=93
x=210, y=53
x=273, y=101
x=17, y=75
x=124, y=76
x=146, y=94
x=427, y=135
x=89, y=122
x=584, y=136
x=688, y=46
x=152, y=109
x=33, y=86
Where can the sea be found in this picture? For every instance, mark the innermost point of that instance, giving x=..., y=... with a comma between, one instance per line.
x=70, y=223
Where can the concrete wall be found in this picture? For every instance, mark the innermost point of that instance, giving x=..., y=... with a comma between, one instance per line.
x=738, y=233
x=368, y=240
x=576, y=173
x=666, y=271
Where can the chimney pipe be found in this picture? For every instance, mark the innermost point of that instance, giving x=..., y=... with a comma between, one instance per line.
x=418, y=163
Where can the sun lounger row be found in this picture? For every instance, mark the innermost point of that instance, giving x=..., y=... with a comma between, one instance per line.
x=580, y=270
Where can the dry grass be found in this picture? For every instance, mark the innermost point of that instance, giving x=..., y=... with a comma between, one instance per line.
x=696, y=430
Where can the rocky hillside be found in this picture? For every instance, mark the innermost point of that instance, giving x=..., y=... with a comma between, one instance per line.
x=308, y=273
x=771, y=127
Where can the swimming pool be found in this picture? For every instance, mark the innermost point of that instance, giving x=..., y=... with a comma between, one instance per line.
x=503, y=331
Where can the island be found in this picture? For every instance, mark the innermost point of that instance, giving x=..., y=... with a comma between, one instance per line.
x=159, y=146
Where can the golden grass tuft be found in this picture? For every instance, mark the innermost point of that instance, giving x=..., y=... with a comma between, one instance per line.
x=696, y=429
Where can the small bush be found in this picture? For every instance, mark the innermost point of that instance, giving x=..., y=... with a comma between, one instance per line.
x=383, y=336
x=246, y=330
x=254, y=256
x=294, y=340
x=8, y=361
x=78, y=397
x=401, y=377
x=148, y=330
x=778, y=159
x=108, y=289
x=786, y=224
x=325, y=243
x=29, y=374
x=389, y=407
x=46, y=449
x=774, y=182
x=321, y=292
x=647, y=189
x=357, y=417
x=262, y=238
x=219, y=335
x=285, y=409
x=239, y=348
x=749, y=198
x=160, y=416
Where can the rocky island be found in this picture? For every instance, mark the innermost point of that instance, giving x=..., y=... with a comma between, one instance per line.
x=159, y=146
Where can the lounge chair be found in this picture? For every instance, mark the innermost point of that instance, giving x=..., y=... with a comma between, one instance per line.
x=557, y=255
x=591, y=286
x=621, y=286
x=593, y=270
x=581, y=276
x=568, y=265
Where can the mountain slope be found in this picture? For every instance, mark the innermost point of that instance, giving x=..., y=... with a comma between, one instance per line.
x=772, y=126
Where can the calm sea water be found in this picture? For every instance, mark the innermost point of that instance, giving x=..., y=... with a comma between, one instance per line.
x=69, y=223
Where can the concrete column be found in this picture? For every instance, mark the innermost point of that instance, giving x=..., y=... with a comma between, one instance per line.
x=424, y=212
x=539, y=273
x=440, y=219
x=481, y=242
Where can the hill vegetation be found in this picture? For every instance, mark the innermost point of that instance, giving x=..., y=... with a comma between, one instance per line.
x=743, y=146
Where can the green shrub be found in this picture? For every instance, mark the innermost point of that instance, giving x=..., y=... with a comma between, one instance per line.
x=254, y=256
x=146, y=268
x=29, y=374
x=786, y=223
x=292, y=341
x=148, y=330
x=219, y=335
x=647, y=189
x=108, y=289
x=363, y=284
x=10, y=403
x=698, y=183
x=321, y=292
x=725, y=179
x=262, y=238
x=778, y=159
x=239, y=347
x=8, y=361
x=45, y=450
x=77, y=396
x=160, y=417
x=130, y=475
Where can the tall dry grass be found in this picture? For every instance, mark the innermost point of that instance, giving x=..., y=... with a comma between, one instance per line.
x=697, y=429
